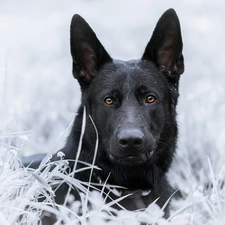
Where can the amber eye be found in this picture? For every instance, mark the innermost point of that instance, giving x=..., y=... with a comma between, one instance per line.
x=108, y=101
x=150, y=99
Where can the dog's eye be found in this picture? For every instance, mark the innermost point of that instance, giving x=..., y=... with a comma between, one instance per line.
x=108, y=101
x=150, y=99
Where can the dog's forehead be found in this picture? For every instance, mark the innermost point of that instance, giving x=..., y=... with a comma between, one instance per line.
x=127, y=77
x=133, y=71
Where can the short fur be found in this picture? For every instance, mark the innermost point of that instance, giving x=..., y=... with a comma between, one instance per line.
x=137, y=138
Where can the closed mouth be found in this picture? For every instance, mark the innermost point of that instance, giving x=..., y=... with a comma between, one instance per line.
x=129, y=160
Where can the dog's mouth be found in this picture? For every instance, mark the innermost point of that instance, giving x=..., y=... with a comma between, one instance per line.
x=129, y=160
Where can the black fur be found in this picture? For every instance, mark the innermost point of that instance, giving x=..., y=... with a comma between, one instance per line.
x=137, y=139
x=128, y=84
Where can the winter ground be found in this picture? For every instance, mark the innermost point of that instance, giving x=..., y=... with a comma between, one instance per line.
x=39, y=97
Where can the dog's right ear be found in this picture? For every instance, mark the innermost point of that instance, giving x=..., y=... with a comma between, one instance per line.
x=87, y=52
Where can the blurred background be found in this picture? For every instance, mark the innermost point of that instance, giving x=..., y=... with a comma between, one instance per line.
x=39, y=95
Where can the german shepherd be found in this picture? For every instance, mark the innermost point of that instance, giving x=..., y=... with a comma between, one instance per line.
x=133, y=106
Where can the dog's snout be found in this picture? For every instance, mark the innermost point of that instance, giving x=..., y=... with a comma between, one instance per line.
x=131, y=140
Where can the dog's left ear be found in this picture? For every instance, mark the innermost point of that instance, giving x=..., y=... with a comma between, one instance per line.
x=87, y=52
x=165, y=45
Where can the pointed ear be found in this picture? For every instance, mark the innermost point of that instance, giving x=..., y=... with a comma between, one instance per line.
x=165, y=46
x=88, y=54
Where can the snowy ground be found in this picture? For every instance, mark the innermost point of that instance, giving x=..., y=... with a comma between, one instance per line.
x=39, y=97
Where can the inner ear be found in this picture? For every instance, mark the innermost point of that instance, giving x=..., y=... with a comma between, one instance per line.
x=165, y=45
x=87, y=52
x=85, y=66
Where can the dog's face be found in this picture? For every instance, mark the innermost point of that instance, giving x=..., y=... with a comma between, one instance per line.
x=131, y=103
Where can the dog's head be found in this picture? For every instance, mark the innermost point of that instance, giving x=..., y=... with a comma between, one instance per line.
x=132, y=103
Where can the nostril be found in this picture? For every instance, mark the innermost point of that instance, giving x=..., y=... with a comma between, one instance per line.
x=138, y=142
x=123, y=142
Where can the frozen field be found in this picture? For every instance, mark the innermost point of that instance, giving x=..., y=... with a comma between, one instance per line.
x=39, y=96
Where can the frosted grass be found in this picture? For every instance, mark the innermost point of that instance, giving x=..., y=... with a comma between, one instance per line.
x=21, y=189
x=39, y=92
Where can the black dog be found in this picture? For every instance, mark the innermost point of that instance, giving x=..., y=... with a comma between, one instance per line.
x=133, y=106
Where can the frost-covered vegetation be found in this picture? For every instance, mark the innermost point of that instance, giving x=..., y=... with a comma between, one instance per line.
x=39, y=98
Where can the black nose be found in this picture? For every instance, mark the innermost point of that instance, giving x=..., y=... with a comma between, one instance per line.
x=131, y=140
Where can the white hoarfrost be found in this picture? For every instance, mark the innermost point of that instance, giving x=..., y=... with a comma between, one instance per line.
x=39, y=98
